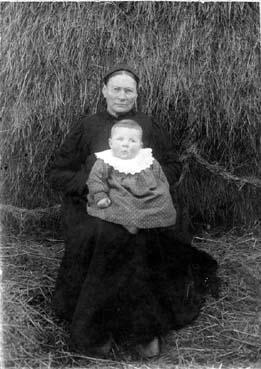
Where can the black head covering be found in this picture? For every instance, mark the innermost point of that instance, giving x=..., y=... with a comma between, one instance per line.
x=121, y=67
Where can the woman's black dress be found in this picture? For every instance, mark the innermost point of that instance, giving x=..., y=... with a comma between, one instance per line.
x=110, y=282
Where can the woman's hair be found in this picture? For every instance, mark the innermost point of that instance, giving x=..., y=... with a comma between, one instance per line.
x=120, y=72
x=127, y=123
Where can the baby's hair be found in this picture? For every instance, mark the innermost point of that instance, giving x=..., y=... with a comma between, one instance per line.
x=127, y=123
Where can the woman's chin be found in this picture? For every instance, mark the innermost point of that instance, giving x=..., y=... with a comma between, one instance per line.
x=122, y=109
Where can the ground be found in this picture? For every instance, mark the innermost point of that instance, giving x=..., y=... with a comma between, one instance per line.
x=227, y=333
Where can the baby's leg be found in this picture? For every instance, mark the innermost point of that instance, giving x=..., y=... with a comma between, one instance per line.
x=131, y=229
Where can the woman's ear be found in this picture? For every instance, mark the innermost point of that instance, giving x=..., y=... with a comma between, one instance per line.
x=104, y=91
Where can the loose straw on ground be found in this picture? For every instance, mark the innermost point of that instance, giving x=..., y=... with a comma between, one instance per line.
x=227, y=334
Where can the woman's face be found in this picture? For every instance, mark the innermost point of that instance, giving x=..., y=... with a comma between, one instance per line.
x=120, y=93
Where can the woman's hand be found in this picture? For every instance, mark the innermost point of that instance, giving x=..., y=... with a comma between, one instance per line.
x=104, y=203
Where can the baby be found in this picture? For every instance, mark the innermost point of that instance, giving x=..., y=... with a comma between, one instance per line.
x=127, y=185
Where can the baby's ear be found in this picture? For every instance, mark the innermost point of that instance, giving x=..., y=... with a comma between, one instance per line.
x=110, y=142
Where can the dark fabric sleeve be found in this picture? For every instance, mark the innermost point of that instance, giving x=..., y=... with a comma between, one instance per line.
x=165, y=153
x=71, y=166
x=97, y=183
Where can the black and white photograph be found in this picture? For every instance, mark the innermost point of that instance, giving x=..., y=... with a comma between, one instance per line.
x=130, y=189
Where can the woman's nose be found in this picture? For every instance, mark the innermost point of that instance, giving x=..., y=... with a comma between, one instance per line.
x=122, y=95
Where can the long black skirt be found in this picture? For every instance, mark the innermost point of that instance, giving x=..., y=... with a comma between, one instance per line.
x=129, y=287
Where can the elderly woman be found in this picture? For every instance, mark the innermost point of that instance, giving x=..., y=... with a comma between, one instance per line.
x=114, y=286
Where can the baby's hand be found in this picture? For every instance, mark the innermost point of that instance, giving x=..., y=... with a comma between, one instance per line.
x=104, y=203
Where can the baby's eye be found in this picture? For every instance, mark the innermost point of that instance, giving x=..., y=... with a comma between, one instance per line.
x=116, y=89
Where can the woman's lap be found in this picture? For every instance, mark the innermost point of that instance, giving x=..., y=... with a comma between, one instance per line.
x=131, y=286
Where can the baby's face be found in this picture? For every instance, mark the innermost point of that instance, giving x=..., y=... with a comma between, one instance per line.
x=125, y=143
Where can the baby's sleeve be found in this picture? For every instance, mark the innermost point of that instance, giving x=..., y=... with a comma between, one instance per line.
x=97, y=181
x=158, y=172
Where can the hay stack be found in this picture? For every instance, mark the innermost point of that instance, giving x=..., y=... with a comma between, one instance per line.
x=199, y=69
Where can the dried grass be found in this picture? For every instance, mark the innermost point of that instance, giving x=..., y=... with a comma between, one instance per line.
x=199, y=66
x=226, y=335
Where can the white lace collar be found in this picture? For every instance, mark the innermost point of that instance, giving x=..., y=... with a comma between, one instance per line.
x=142, y=161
